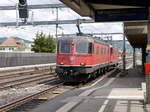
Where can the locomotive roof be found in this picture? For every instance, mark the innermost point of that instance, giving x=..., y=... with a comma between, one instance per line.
x=81, y=38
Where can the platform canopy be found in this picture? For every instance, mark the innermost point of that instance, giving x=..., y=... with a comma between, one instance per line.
x=134, y=13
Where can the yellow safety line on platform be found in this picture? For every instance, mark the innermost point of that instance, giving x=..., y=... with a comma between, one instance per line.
x=43, y=98
x=56, y=92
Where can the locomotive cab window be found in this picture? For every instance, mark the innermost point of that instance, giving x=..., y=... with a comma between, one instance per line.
x=64, y=46
x=83, y=47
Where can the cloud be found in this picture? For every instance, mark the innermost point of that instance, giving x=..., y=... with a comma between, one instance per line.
x=8, y=2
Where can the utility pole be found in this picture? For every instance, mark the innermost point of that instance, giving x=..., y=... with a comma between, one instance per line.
x=134, y=58
x=17, y=24
x=56, y=23
x=143, y=57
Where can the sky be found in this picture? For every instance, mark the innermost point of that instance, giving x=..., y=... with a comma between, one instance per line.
x=28, y=32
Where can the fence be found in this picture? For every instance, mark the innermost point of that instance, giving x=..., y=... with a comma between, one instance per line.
x=19, y=59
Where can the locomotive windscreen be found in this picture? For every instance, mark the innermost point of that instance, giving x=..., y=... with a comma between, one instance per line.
x=80, y=47
x=64, y=46
x=83, y=47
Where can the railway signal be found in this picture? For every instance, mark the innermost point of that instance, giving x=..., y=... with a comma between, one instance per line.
x=23, y=10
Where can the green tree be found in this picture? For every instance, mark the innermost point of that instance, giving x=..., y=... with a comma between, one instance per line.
x=43, y=43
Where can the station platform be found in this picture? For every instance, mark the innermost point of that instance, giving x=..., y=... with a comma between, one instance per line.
x=121, y=93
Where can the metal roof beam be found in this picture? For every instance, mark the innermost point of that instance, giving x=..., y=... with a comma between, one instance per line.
x=142, y=3
x=43, y=6
x=80, y=7
x=46, y=22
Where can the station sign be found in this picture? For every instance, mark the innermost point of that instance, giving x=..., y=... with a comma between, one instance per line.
x=126, y=14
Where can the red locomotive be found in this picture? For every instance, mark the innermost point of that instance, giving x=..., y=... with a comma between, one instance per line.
x=82, y=57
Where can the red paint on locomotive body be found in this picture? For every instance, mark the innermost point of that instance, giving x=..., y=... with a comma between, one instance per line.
x=74, y=60
x=83, y=55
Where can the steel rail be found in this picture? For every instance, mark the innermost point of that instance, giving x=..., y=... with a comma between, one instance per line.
x=21, y=83
x=25, y=78
x=25, y=74
x=21, y=74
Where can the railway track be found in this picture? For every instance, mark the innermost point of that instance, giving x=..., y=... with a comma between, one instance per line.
x=25, y=81
x=9, y=74
x=128, y=60
x=20, y=74
x=26, y=99
x=31, y=75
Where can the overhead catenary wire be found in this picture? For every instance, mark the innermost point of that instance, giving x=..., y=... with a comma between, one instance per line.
x=12, y=1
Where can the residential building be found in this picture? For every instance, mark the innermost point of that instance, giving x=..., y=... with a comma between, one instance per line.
x=12, y=45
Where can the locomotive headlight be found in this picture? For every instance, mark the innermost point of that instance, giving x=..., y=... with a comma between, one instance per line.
x=82, y=64
x=61, y=63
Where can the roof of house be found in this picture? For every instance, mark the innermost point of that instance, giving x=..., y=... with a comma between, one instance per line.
x=2, y=39
x=10, y=42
